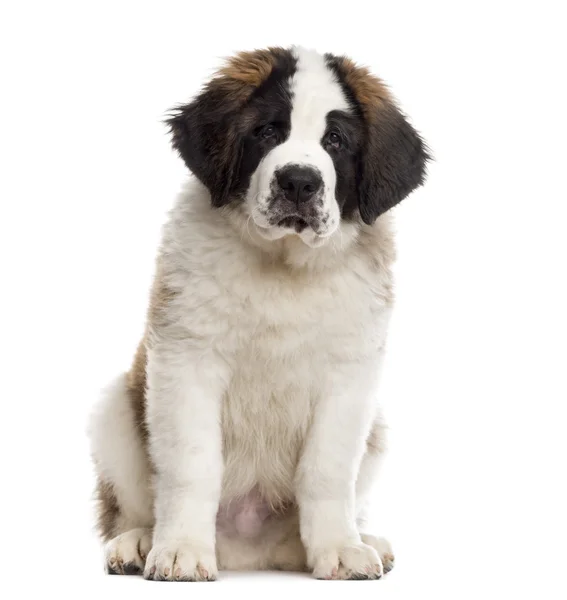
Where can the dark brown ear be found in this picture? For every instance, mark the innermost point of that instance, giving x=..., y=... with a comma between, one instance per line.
x=204, y=134
x=393, y=164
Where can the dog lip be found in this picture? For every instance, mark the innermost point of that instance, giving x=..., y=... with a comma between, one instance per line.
x=293, y=222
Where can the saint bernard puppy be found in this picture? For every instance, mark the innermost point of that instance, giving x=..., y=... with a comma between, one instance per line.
x=247, y=433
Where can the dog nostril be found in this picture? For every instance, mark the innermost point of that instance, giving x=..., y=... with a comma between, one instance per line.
x=287, y=186
x=307, y=190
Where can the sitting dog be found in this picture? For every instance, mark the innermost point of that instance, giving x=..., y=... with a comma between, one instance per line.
x=247, y=433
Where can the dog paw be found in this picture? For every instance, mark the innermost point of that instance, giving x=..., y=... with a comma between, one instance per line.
x=382, y=546
x=126, y=553
x=355, y=560
x=179, y=561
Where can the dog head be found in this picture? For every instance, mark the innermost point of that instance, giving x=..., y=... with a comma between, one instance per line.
x=301, y=141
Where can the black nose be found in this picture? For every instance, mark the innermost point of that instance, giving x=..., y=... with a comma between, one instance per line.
x=299, y=184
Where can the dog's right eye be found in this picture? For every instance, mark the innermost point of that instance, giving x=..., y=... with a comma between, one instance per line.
x=267, y=131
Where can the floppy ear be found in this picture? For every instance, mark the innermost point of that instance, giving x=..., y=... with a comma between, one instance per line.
x=393, y=163
x=208, y=142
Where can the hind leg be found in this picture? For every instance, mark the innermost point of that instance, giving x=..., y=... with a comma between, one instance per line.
x=124, y=499
x=382, y=546
x=126, y=553
x=375, y=447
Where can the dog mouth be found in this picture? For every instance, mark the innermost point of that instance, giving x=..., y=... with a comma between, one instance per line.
x=294, y=222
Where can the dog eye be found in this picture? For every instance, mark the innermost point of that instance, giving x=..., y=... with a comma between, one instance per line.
x=268, y=131
x=334, y=140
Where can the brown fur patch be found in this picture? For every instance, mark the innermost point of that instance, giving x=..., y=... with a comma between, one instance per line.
x=137, y=376
x=243, y=73
x=108, y=510
x=370, y=91
x=160, y=297
x=136, y=386
x=251, y=67
x=376, y=441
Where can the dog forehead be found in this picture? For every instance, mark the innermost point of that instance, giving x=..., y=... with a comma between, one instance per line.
x=315, y=93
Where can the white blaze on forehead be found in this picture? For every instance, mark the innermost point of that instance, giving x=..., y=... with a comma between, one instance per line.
x=316, y=92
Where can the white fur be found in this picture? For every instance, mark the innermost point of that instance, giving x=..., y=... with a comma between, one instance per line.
x=279, y=363
x=315, y=93
x=119, y=455
x=262, y=373
x=128, y=551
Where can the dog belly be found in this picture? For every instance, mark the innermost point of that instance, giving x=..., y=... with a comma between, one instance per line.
x=244, y=516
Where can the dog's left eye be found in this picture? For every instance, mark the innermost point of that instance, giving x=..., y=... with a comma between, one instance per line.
x=334, y=140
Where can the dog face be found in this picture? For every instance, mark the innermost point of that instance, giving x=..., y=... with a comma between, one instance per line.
x=301, y=141
x=308, y=166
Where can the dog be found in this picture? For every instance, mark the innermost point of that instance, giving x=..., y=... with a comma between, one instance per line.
x=247, y=433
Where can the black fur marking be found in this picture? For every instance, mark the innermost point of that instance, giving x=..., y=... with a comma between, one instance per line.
x=123, y=569
x=363, y=577
x=131, y=569
x=217, y=133
x=333, y=62
x=393, y=165
x=392, y=158
x=271, y=104
x=346, y=158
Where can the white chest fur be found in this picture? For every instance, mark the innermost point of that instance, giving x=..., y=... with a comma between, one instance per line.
x=278, y=329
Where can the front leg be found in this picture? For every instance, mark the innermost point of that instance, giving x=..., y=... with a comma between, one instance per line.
x=327, y=476
x=184, y=397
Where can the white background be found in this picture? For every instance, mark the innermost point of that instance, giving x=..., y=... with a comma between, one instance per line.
x=473, y=491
